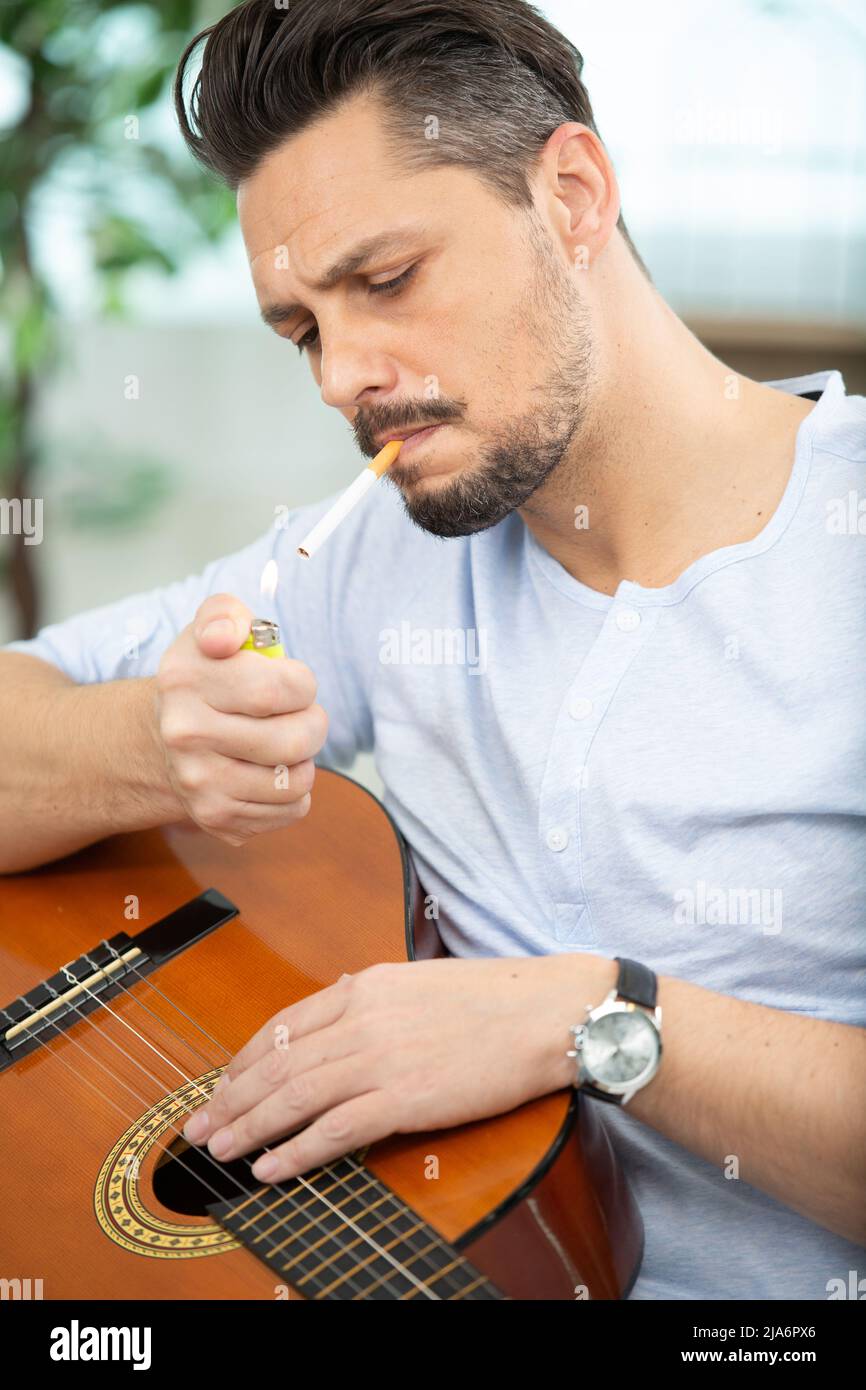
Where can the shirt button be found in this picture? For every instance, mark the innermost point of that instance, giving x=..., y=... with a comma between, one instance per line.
x=557, y=838
x=580, y=707
x=627, y=619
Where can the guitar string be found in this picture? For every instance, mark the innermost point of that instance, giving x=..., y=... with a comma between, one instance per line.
x=79, y=1076
x=346, y=1220
x=175, y=1157
x=146, y=980
x=359, y=1170
x=417, y=1252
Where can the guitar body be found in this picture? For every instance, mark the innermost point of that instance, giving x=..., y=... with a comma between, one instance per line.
x=95, y=1205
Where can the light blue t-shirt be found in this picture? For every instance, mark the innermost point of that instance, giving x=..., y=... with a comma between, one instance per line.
x=677, y=775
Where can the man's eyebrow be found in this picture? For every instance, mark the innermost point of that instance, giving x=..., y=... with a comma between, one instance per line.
x=381, y=244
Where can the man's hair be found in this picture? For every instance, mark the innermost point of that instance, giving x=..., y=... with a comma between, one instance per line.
x=497, y=77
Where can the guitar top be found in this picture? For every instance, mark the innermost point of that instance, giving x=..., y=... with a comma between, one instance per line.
x=130, y=974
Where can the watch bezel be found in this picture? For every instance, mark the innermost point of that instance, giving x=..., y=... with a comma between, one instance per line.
x=613, y=1005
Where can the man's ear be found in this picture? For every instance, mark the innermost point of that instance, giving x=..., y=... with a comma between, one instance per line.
x=577, y=182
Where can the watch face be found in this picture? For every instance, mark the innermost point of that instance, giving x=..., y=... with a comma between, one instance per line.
x=620, y=1047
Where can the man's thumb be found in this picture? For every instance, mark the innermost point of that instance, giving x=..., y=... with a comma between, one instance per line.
x=221, y=634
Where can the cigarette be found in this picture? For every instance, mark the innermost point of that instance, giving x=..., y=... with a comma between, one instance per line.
x=350, y=498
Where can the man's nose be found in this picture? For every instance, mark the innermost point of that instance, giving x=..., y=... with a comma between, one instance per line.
x=354, y=371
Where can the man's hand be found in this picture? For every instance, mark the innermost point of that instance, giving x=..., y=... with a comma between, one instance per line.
x=239, y=731
x=397, y=1049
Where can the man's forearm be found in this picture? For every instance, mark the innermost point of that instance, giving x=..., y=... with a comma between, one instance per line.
x=780, y=1094
x=77, y=763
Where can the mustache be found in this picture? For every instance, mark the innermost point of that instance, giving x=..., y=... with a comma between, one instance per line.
x=400, y=416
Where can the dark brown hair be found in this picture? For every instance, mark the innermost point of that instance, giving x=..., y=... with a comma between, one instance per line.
x=495, y=75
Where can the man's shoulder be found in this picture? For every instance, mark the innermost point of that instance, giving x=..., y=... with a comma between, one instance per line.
x=843, y=433
x=838, y=421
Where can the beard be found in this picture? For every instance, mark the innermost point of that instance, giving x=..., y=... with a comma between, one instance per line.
x=528, y=449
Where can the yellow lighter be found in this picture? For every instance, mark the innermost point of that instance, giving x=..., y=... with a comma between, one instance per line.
x=264, y=637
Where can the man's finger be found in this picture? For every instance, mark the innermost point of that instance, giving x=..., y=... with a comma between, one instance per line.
x=277, y=1069
x=362, y=1120
x=236, y=687
x=222, y=625
x=318, y=1010
x=292, y=1105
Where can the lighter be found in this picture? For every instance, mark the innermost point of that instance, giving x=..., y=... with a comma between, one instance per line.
x=264, y=637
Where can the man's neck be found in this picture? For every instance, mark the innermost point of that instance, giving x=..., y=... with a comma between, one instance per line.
x=678, y=456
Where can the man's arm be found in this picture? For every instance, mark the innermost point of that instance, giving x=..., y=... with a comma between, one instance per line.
x=782, y=1094
x=219, y=736
x=428, y=1044
x=77, y=762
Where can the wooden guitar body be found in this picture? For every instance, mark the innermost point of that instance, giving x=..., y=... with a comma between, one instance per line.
x=95, y=1086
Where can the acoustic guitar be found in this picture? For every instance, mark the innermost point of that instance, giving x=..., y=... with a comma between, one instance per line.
x=111, y=1031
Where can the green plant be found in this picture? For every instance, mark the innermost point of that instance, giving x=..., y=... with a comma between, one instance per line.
x=91, y=112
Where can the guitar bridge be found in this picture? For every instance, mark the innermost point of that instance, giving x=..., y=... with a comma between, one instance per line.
x=82, y=985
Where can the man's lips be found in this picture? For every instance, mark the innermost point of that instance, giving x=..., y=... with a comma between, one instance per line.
x=382, y=439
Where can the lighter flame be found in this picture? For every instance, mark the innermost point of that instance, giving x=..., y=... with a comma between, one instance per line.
x=270, y=578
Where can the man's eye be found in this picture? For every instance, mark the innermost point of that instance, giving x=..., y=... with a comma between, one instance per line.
x=308, y=342
x=389, y=287
x=392, y=286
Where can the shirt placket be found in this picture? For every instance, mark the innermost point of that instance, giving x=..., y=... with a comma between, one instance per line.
x=568, y=775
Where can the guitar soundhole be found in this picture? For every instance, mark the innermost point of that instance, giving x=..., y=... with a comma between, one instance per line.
x=191, y=1185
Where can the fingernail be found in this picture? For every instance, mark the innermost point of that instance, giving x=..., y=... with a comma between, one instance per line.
x=220, y=1143
x=196, y=1128
x=265, y=1167
x=220, y=627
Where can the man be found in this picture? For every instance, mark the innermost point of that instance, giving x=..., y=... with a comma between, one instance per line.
x=648, y=742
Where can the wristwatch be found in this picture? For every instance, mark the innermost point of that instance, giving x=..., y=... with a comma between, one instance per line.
x=619, y=1048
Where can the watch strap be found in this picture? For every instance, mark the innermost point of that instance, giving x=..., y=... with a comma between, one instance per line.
x=588, y=1089
x=636, y=983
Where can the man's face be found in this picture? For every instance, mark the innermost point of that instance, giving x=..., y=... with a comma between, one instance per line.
x=467, y=320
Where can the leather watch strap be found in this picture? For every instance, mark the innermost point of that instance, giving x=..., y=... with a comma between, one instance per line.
x=636, y=983
x=588, y=1089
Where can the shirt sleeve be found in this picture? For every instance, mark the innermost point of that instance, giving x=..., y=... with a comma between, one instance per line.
x=127, y=638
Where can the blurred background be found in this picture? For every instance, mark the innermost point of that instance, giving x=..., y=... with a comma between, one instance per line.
x=161, y=423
